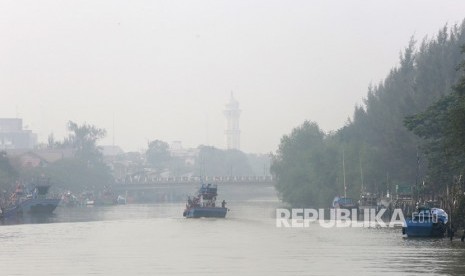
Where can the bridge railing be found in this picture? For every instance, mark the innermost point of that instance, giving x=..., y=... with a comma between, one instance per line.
x=186, y=179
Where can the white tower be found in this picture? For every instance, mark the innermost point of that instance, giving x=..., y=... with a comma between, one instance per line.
x=232, y=132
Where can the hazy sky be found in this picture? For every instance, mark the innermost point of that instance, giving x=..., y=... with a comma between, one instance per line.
x=165, y=69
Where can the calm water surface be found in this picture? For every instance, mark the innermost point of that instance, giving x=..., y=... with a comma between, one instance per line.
x=157, y=240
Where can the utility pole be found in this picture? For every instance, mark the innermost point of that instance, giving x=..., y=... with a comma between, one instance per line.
x=344, y=174
x=361, y=171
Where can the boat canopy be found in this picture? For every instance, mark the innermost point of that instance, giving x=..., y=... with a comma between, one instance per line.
x=208, y=191
x=42, y=189
x=438, y=213
x=345, y=200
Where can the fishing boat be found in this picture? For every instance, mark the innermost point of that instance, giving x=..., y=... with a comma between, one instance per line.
x=107, y=197
x=23, y=202
x=87, y=198
x=204, y=204
x=343, y=203
x=121, y=200
x=367, y=201
x=426, y=222
x=68, y=199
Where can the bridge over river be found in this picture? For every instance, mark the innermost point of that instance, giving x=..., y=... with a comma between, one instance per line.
x=176, y=189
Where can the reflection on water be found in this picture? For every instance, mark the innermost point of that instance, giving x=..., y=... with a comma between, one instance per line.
x=155, y=239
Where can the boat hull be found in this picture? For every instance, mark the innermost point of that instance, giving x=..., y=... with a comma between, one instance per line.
x=425, y=229
x=427, y=223
x=205, y=212
x=31, y=207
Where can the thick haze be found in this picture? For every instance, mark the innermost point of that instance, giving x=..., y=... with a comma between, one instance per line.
x=164, y=69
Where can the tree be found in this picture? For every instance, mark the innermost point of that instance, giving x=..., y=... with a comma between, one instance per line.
x=8, y=174
x=304, y=167
x=86, y=170
x=76, y=175
x=84, y=140
x=217, y=162
x=308, y=162
x=442, y=128
x=158, y=154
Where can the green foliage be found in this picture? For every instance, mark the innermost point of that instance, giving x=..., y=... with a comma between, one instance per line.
x=259, y=163
x=389, y=153
x=83, y=139
x=8, y=175
x=158, y=154
x=378, y=147
x=304, y=166
x=86, y=170
x=216, y=162
x=77, y=174
x=177, y=166
x=442, y=127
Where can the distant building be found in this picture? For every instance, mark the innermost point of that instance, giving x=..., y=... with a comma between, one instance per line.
x=232, y=132
x=110, y=150
x=39, y=157
x=13, y=136
x=30, y=160
x=187, y=155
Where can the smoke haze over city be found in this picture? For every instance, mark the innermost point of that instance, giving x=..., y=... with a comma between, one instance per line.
x=164, y=70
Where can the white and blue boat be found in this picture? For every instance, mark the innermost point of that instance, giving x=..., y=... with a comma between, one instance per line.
x=426, y=222
x=204, y=204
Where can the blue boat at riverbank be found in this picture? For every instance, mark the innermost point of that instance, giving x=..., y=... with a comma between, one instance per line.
x=204, y=204
x=427, y=222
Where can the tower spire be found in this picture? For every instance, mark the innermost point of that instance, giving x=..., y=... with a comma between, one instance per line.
x=232, y=132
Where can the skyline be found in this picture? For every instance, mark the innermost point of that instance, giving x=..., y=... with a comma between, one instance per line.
x=164, y=70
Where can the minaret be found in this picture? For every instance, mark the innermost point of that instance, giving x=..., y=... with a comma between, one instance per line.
x=232, y=132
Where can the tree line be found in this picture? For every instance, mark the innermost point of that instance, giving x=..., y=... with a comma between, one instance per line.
x=407, y=133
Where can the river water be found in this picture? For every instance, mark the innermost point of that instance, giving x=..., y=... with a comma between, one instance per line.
x=155, y=239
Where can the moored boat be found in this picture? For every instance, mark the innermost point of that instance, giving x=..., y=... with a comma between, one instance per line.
x=204, y=204
x=87, y=199
x=367, y=201
x=68, y=199
x=23, y=202
x=107, y=197
x=427, y=222
x=344, y=203
x=121, y=200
